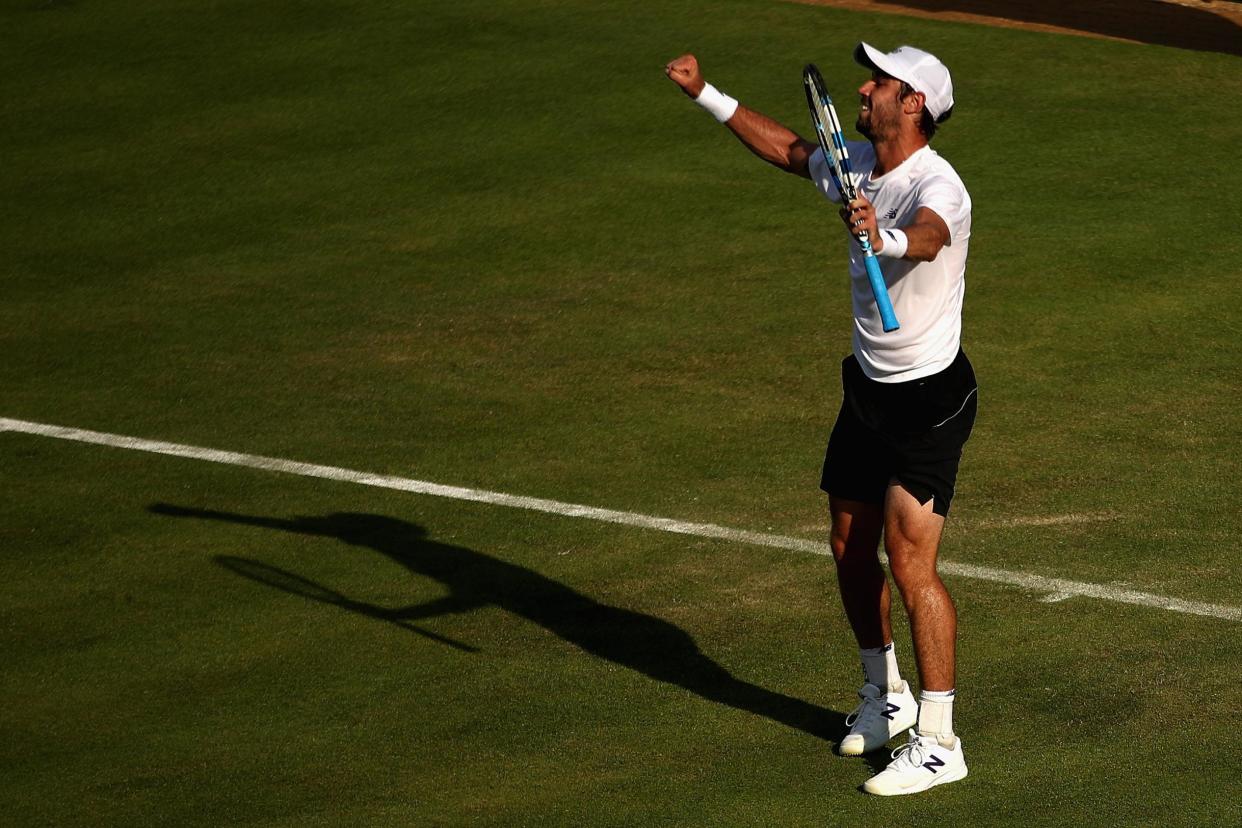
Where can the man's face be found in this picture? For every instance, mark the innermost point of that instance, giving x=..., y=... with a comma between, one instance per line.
x=879, y=111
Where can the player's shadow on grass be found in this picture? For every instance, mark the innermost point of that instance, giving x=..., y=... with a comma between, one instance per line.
x=641, y=642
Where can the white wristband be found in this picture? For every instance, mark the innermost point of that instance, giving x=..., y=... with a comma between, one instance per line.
x=716, y=102
x=895, y=243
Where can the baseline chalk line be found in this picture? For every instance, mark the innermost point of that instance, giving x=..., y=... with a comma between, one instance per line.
x=1052, y=589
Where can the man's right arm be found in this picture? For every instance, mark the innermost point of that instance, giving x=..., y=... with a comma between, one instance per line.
x=773, y=142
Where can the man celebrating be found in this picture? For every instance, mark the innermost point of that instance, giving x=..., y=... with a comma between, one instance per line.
x=909, y=396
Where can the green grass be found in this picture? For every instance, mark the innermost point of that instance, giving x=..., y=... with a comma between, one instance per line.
x=488, y=244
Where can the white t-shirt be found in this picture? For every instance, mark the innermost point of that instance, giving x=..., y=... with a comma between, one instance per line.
x=927, y=296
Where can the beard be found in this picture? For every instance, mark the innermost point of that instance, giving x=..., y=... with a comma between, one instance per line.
x=879, y=122
x=866, y=123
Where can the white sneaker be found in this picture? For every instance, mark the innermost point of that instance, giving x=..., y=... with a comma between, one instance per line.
x=919, y=764
x=878, y=718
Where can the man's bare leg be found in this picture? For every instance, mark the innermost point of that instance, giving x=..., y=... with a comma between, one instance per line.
x=887, y=707
x=934, y=754
x=912, y=540
x=855, y=540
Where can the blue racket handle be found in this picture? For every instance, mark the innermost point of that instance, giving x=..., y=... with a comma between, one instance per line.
x=880, y=290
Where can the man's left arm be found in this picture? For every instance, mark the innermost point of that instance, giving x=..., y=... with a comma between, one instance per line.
x=924, y=236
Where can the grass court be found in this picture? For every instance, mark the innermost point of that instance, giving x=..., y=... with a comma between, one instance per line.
x=488, y=244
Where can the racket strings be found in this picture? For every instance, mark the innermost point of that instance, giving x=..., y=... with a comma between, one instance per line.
x=832, y=142
x=828, y=131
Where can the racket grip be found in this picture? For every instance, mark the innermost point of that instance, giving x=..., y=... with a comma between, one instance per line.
x=880, y=290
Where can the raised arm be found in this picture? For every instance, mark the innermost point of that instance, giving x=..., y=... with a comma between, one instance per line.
x=773, y=142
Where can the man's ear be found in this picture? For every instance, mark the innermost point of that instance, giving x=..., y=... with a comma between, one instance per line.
x=912, y=104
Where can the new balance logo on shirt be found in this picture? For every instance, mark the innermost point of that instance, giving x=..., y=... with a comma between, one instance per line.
x=891, y=214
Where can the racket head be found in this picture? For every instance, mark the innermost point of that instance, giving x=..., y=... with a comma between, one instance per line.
x=819, y=114
x=820, y=104
x=828, y=130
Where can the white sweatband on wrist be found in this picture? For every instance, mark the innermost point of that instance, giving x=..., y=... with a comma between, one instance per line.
x=716, y=102
x=895, y=243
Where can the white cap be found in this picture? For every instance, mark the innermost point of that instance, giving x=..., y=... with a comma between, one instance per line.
x=922, y=70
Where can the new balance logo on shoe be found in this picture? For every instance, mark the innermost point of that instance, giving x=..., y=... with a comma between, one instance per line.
x=878, y=718
x=919, y=764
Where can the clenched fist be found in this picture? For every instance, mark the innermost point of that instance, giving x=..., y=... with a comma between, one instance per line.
x=684, y=71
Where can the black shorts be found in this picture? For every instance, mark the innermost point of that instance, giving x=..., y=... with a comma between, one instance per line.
x=911, y=432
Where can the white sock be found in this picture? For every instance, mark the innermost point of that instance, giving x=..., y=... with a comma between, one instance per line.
x=936, y=715
x=880, y=667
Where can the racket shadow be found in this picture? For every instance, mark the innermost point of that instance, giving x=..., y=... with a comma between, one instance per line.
x=294, y=584
x=649, y=645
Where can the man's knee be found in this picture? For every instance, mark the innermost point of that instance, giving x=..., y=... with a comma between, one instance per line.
x=855, y=545
x=912, y=564
x=837, y=542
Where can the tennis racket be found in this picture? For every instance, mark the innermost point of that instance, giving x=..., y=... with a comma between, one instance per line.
x=832, y=142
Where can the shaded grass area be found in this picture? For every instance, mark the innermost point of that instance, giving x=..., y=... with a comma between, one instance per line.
x=490, y=245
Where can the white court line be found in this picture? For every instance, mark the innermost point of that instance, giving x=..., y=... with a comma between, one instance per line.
x=1053, y=589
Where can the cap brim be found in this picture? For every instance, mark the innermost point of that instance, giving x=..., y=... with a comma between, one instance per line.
x=867, y=55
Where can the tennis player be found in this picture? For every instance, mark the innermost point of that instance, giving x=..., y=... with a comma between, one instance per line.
x=909, y=396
